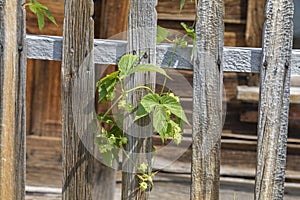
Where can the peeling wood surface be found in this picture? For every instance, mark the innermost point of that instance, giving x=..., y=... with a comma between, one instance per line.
x=12, y=99
x=78, y=87
x=274, y=100
x=207, y=109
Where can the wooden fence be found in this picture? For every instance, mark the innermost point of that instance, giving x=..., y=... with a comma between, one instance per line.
x=79, y=52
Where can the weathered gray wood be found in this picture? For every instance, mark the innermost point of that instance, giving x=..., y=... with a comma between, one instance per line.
x=236, y=59
x=77, y=99
x=207, y=109
x=12, y=99
x=274, y=100
x=251, y=94
x=141, y=37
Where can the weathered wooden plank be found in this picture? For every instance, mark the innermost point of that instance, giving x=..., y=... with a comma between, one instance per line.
x=207, y=109
x=141, y=37
x=78, y=86
x=236, y=59
x=255, y=20
x=274, y=100
x=12, y=99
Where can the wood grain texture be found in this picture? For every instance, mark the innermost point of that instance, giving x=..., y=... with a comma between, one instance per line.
x=274, y=100
x=207, y=109
x=255, y=20
x=106, y=26
x=12, y=100
x=106, y=13
x=78, y=87
x=236, y=59
x=141, y=37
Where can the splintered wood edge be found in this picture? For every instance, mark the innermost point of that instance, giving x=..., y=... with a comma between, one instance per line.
x=107, y=52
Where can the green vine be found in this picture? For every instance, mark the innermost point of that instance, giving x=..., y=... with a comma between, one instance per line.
x=41, y=12
x=164, y=107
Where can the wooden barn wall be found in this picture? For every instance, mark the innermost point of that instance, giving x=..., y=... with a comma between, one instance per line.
x=234, y=19
x=44, y=92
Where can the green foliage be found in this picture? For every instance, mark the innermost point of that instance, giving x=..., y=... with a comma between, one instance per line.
x=161, y=34
x=106, y=87
x=165, y=108
x=145, y=177
x=40, y=11
x=182, y=3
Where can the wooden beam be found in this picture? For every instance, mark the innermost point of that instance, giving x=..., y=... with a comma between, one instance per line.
x=12, y=99
x=274, y=100
x=141, y=37
x=78, y=87
x=207, y=109
x=255, y=21
x=236, y=59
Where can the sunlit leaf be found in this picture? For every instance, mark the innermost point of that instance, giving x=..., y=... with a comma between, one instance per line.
x=106, y=87
x=160, y=121
x=126, y=64
x=174, y=107
x=161, y=34
x=41, y=21
x=182, y=2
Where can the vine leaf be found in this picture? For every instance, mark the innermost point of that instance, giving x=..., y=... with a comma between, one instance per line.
x=106, y=87
x=41, y=11
x=182, y=2
x=174, y=107
x=126, y=64
x=160, y=121
x=146, y=105
x=161, y=34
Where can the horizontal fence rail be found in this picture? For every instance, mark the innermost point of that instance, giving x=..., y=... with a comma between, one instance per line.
x=236, y=59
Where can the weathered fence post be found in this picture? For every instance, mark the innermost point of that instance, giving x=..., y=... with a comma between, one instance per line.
x=12, y=99
x=141, y=37
x=274, y=100
x=207, y=109
x=77, y=99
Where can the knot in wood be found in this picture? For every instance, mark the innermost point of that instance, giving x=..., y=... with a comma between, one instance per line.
x=265, y=64
x=287, y=64
x=20, y=48
x=145, y=55
x=219, y=62
x=1, y=48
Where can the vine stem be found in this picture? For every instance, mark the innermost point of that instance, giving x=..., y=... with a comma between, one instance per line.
x=140, y=87
x=169, y=64
x=112, y=106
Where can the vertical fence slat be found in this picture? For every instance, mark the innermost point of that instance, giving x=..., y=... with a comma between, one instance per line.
x=12, y=99
x=141, y=37
x=12, y=105
x=274, y=100
x=77, y=99
x=207, y=109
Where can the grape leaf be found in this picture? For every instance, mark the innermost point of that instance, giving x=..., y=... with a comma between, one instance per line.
x=160, y=121
x=174, y=107
x=106, y=87
x=146, y=105
x=126, y=64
